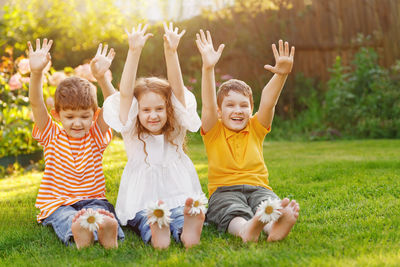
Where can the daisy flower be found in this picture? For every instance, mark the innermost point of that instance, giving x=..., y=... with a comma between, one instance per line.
x=268, y=210
x=199, y=204
x=91, y=220
x=158, y=212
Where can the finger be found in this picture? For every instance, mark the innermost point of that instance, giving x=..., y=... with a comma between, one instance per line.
x=176, y=30
x=44, y=43
x=126, y=31
x=199, y=39
x=165, y=26
x=275, y=51
x=145, y=28
x=30, y=47
x=209, y=39
x=49, y=44
x=37, y=44
x=166, y=39
x=203, y=37
x=171, y=27
x=182, y=33
x=220, y=49
x=105, y=50
x=93, y=62
x=286, y=49
x=147, y=36
x=111, y=54
x=99, y=49
x=48, y=56
x=139, y=27
x=269, y=68
x=292, y=52
x=199, y=45
x=133, y=29
x=281, y=47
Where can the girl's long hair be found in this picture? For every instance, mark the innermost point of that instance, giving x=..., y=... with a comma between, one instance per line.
x=158, y=86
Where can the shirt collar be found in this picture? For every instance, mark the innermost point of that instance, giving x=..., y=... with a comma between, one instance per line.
x=229, y=133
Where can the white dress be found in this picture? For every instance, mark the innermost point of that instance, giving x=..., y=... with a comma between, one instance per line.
x=167, y=173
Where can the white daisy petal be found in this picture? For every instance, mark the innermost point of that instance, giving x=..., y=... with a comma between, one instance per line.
x=158, y=213
x=199, y=205
x=91, y=220
x=269, y=210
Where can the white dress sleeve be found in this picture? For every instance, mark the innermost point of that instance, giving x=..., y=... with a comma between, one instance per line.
x=187, y=116
x=111, y=111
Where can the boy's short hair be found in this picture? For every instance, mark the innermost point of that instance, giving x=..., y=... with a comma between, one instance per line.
x=237, y=86
x=75, y=93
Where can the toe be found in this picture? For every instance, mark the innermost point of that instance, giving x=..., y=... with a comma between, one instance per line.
x=284, y=202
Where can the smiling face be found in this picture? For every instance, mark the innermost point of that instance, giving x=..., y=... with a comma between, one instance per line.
x=235, y=111
x=152, y=112
x=76, y=123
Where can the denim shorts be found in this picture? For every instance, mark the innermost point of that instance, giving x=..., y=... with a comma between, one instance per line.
x=140, y=226
x=61, y=219
x=228, y=202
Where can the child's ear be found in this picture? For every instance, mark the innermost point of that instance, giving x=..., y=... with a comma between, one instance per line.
x=219, y=112
x=55, y=114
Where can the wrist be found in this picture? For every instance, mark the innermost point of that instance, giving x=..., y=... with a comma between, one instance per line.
x=37, y=72
x=208, y=67
x=137, y=49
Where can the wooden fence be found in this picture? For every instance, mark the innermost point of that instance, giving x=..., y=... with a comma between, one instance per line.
x=320, y=30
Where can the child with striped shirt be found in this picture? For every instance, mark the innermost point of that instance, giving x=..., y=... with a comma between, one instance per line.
x=71, y=196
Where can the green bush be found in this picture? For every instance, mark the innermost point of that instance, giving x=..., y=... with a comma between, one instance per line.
x=364, y=101
x=15, y=115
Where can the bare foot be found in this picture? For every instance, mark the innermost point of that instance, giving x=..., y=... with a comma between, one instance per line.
x=82, y=236
x=281, y=228
x=267, y=227
x=108, y=230
x=252, y=230
x=160, y=237
x=192, y=225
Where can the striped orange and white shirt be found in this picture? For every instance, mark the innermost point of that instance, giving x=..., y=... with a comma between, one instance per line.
x=73, y=167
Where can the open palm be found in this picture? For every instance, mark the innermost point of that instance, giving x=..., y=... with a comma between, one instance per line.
x=39, y=58
x=283, y=60
x=209, y=56
x=101, y=63
x=138, y=37
x=172, y=36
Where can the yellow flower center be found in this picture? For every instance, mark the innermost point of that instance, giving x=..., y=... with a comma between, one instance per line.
x=269, y=210
x=158, y=213
x=91, y=219
x=196, y=203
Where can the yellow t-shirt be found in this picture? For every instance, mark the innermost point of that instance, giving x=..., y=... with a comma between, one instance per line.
x=236, y=158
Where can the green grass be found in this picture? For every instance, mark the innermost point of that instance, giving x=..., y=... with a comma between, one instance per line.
x=348, y=192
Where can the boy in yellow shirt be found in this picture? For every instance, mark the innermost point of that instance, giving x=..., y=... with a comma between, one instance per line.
x=241, y=201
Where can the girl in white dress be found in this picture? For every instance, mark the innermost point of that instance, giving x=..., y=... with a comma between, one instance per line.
x=153, y=115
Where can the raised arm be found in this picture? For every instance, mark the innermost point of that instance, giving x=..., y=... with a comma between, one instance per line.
x=210, y=57
x=136, y=39
x=99, y=65
x=38, y=60
x=174, y=73
x=271, y=92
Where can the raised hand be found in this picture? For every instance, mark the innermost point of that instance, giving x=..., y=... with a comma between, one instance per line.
x=209, y=56
x=39, y=58
x=101, y=62
x=283, y=61
x=172, y=37
x=138, y=37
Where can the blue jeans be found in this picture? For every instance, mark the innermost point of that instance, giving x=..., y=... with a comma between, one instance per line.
x=61, y=219
x=141, y=227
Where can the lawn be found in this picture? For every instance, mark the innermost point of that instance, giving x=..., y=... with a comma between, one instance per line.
x=349, y=194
